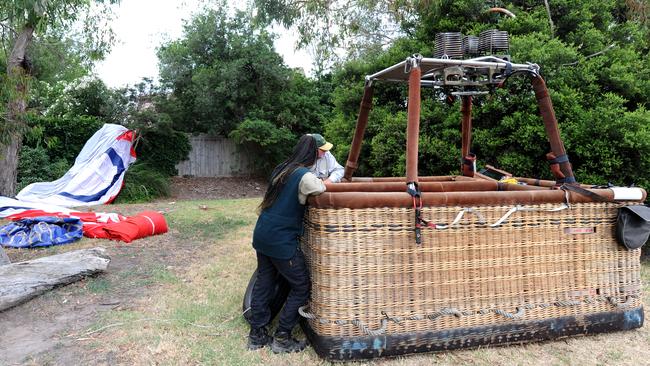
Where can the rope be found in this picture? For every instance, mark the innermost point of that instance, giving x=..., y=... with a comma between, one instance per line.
x=499, y=222
x=521, y=312
x=623, y=305
x=356, y=322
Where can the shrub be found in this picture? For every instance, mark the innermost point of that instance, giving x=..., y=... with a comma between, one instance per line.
x=159, y=146
x=276, y=143
x=34, y=165
x=142, y=183
x=61, y=137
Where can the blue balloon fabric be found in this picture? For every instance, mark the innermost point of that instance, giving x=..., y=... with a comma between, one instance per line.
x=41, y=232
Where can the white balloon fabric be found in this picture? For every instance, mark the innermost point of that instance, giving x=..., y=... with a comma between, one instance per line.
x=96, y=176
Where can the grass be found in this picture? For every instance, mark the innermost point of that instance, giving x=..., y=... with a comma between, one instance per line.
x=209, y=220
x=98, y=285
x=196, y=317
x=160, y=274
x=191, y=313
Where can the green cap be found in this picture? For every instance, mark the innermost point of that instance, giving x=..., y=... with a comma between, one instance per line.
x=321, y=143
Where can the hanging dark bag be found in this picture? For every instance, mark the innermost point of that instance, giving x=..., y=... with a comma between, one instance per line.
x=633, y=226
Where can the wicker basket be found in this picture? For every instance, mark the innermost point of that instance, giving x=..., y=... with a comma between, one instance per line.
x=541, y=273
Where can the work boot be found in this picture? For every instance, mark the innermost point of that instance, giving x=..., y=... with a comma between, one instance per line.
x=258, y=338
x=283, y=342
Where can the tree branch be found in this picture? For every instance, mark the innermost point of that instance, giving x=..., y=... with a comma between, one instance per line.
x=550, y=20
x=7, y=27
x=592, y=55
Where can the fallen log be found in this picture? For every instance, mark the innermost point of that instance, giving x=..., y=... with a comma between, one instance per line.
x=3, y=257
x=22, y=281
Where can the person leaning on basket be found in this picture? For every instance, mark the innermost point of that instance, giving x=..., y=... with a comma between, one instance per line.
x=275, y=240
x=326, y=167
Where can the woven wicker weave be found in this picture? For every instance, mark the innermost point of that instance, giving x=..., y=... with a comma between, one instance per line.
x=365, y=267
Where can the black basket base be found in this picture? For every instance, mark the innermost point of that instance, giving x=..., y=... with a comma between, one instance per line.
x=351, y=348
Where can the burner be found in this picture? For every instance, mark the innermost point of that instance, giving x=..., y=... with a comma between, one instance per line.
x=449, y=45
x=493, y=40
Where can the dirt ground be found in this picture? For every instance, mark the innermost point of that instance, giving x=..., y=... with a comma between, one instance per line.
x=51, y=329
x=216, y=188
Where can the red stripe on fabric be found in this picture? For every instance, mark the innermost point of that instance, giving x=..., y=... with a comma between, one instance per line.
x=34, y=213
x=110, y=200
x=127, y=136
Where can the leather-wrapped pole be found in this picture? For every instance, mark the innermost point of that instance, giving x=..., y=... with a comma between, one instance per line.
x=362, y=121
x=466, y=124
x=437, y=178
x=413, y=127
x=403, y=199
x=468, y=159
x=551, y=126
x=458, y=186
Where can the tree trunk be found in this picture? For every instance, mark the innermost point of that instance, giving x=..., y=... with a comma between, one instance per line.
x=22, y=281
x=12, y=140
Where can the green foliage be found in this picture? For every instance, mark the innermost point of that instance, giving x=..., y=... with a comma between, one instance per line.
x=35, y=165
x=143, y=183
x=60, y=137
x=46, y=16
x=224, y=78
x=388, y=144
x=389, y=99
x=596, y=66
x=219, y=72
x=163, y=149
x=158, y=145
x=57, y=58
x=276, y=143
x=85, y=97
x=336, y=29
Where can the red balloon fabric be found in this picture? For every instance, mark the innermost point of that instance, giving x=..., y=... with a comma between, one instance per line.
x=144, y=224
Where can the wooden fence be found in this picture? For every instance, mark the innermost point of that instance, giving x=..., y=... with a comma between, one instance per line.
x=217, y=157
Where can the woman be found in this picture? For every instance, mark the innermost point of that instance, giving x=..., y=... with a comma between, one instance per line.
x=275, y=240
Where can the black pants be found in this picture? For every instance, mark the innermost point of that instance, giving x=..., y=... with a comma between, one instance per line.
x=295, y=271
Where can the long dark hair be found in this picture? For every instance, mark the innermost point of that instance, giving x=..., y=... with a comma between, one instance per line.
x=304, y=154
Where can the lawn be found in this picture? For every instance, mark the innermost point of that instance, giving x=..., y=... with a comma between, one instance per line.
x=179, y=302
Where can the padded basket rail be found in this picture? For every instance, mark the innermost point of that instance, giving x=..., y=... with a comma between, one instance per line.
x=540, y=273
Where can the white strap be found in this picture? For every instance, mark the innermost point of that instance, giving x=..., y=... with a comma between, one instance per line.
x=529, y=209
x=482, y=220
x=153, y=226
